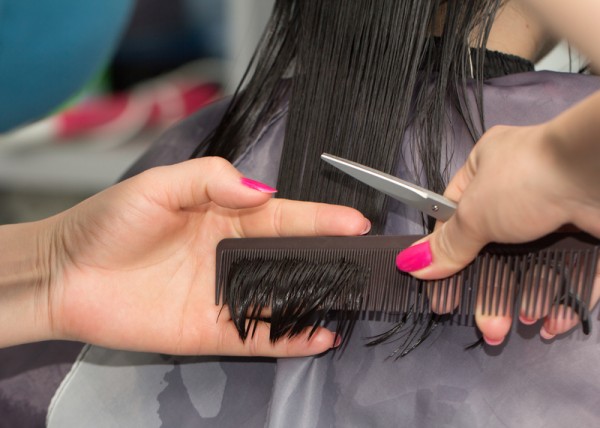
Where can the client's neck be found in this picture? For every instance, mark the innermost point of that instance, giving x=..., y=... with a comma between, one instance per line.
x=518, y=32
x=515, y=31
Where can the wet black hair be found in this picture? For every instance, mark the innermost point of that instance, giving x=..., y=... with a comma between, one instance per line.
x=359, y=75
x=373, y=81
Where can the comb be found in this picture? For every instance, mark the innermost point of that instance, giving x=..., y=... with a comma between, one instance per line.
x=303, y=279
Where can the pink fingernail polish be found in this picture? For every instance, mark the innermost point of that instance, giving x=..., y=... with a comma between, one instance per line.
x=414, y=258
x=493, y=342
x=257, y=185
x=545, y=335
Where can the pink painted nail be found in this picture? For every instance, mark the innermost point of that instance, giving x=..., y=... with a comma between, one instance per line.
x=414, y=258
x=545, y=335
x=257, y=185
x=493, y=342
x=527, y=321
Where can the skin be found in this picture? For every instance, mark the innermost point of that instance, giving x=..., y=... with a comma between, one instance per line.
x=133, y=267
x=554, y=174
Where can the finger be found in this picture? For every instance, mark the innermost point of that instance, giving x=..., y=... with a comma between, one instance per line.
x=561, y=319
x=444, y=297
x=537, y=293
x=281, y=217
x=447, y=250
x=259, y=343
x=195, y=182
x=454, y=243
x=461, y=180
x=495, y=298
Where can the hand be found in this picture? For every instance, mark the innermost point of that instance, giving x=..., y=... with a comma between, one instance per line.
x=134, y=266
x=516, y=186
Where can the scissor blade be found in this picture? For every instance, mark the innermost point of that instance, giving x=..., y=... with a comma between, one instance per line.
x=429, y=202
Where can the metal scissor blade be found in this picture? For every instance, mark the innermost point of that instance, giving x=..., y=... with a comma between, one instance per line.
x=429, y=202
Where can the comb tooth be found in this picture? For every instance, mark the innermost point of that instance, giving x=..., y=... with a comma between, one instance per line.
x=554, y=284
x=411, y=284
x=536, y=281
x=519, y=269
x=576, y=288
x=560, y=281
x=422, y=301
x=490, y=285
x=400, y=293
x=509, y=288
x=552, y=280
x=590, y=274
x=515, y=281
x=463, y=292
x=583, y=291
x=454, y=281
x=566, y=281
x=381, y=292
x=438, y=292
x=581, y=284
x=478, y=290
x=483, y=283
x=447, y=296
x=541, y=275
x=494, y=283
x=420, y=297
x=531, y=275
x=499, y=283
x=473, y=283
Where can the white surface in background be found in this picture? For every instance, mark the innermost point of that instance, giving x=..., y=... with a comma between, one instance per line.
x=247, y=20
x=74, y=168
x=560, y=59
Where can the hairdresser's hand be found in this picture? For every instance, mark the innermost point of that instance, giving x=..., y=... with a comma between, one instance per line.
x=517, y=185
x=134, y=266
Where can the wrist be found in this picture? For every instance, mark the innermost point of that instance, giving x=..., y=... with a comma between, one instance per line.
x=27, y=267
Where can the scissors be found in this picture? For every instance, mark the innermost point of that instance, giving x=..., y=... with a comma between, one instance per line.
x=431, y=203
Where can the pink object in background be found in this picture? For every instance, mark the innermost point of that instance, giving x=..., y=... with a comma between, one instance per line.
x=114, y=119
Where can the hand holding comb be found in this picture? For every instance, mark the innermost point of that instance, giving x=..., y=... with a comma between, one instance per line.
x=302, y=279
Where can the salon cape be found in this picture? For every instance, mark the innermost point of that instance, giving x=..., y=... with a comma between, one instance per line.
x=525, y=382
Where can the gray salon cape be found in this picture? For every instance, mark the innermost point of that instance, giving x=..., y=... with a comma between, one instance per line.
x=526, y=382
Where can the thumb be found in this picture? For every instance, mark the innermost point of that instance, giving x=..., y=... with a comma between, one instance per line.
x=190, y=184
x=442, y=253
x=454, y=243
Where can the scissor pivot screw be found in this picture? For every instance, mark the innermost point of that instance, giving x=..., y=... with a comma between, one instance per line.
x=435, y=208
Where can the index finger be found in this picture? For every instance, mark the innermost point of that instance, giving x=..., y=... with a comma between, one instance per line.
x=283, y=217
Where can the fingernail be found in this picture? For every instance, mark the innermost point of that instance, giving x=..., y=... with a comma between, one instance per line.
x=338, y=341
x=526, y=320
x=414, y=258
x=367, y=228
x=257, y=185
x=493, y=342
x=545, y=335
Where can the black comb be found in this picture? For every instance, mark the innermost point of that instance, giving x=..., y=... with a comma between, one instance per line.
x=357, y=277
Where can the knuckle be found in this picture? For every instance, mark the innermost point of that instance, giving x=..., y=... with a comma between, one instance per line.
x=253, y=345
x=279, y=218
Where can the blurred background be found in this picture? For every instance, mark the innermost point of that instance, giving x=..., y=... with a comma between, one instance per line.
x=169, y=59
x=164, y=59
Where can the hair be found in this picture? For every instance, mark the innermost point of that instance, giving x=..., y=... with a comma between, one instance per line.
x=359, y=75
x=364, y=80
